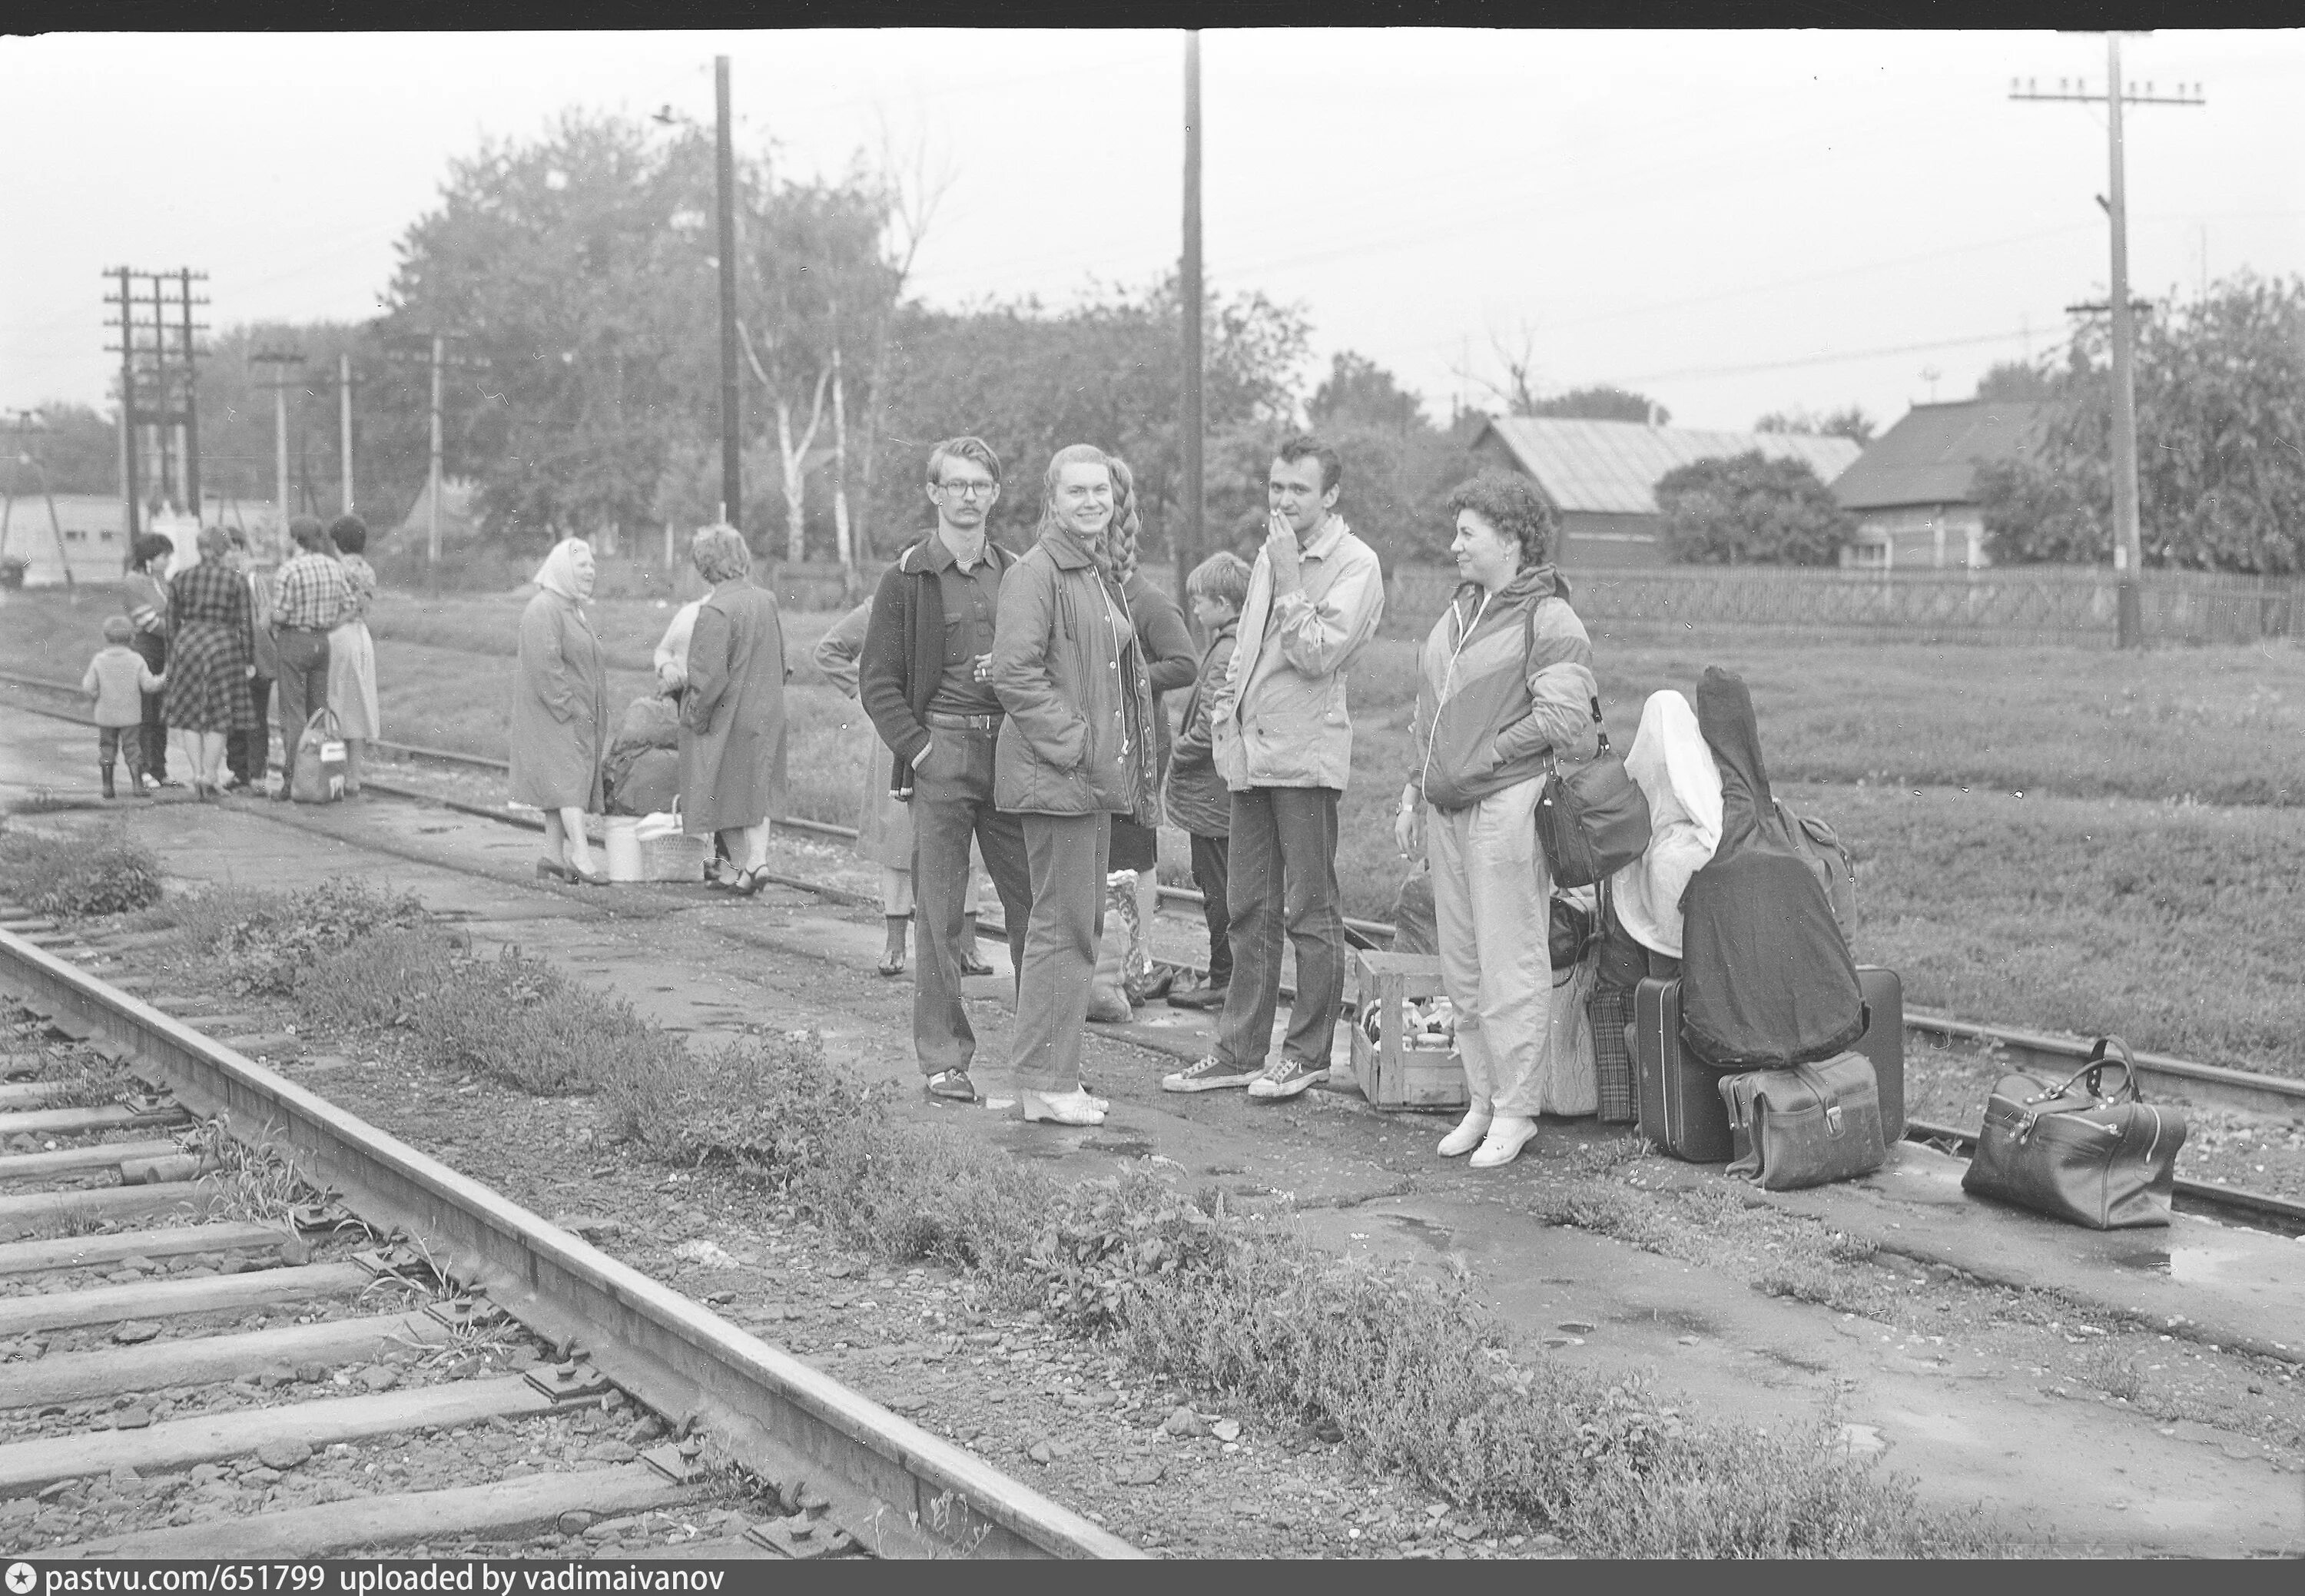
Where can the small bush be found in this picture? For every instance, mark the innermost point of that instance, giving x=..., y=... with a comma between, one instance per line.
x=262, y=940
x=77, y=876
x=772, y=1106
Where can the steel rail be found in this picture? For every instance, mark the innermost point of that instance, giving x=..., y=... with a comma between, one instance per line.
x=2229, y=1087
x=899, y=1490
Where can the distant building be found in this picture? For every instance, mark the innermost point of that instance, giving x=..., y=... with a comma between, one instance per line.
x=1601, y=476
x=95, y=536
x=1913, y=490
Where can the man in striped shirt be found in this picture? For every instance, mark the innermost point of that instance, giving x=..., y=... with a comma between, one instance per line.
x=309, y=596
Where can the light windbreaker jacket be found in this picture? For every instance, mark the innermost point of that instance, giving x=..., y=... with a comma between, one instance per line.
x=1279, y=719
x=1669, y=763
x=1503, y=678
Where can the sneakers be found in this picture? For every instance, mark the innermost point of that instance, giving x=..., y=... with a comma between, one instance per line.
x=1211, y=1074
x=1074, y=1107
x=1285, y=1077
x=953, y=1084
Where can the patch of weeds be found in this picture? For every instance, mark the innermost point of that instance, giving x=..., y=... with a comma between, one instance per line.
x=261, y=940
x=1600, y=1158
x=1606, y=1211
x=1416, y=1376
x=76, y=878
x=771, y=1106
x=258, y=1183
x=512, y=1018
x=1840, y=1289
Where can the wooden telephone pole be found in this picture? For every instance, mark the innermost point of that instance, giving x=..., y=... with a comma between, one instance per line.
x=2128, y=551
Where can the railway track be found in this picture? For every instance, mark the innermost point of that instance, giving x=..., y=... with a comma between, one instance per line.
x=2208, y=1084
x=227, y=1371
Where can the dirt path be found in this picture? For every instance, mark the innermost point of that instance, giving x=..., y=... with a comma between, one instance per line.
x=1981, y=1390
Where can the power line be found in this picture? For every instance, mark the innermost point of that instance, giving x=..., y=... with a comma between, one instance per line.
x=1843, y=357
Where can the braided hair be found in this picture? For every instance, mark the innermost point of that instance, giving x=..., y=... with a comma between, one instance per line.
x=1121, y=535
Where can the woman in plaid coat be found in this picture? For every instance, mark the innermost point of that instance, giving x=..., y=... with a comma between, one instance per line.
x=209, y=657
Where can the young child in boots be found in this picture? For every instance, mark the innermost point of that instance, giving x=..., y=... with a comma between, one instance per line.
x=118, y=678
x=1196, y=797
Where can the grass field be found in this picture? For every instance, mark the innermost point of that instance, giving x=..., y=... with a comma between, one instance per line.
x=2148, y=881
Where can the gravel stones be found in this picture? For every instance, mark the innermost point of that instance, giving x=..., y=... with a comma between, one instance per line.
x=1183, y=1421
x=131, y=1331
x=284, y=1455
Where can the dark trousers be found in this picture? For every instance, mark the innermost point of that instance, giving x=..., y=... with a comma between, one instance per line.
x=153, y=650
x=113, y=742
x=1209, y=867
x=1068, y=854
x=952, y=801
x=303, y=683
x=1283, y=876
x=248, y=750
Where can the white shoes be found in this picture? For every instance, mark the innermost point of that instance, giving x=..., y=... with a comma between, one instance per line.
x=1468, y=1134
x=1507, y=1134
x=1074, y=1107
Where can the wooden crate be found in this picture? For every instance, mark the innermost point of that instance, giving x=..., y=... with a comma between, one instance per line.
x=1392, y=1076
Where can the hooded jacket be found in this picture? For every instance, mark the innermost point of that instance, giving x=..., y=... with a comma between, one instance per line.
x=1503, y=679
x=1278, y=717
x=1078, y=735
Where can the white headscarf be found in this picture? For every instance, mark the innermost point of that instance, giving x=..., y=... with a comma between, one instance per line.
x=1674, y=768
x=558, y=574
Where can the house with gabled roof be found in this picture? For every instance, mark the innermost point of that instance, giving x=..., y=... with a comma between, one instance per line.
x=1914, y=490
x=1601, y=476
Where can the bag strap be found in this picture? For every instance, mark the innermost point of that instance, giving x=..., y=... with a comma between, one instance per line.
x=323, y=714
x=2092, y=1074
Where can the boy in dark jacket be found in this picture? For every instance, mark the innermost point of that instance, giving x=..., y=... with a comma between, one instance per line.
x=1196, y=799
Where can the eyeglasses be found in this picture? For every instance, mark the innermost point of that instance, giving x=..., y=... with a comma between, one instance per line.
x=971, y=490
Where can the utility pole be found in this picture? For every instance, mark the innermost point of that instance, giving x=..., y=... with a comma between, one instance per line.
x=432, y=476
x=28, y=424
x=732, y=482
x=344, y=423
x=164, y=475
x=1189, y=546
x=280, y=360
x=128, y=486
x=2128, y=550
x=185, y=276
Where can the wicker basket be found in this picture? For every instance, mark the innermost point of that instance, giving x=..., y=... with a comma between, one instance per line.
x=675, y=858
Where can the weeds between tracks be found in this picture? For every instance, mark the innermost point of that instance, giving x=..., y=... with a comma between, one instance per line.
x=72, y=877
x=1415, y=1377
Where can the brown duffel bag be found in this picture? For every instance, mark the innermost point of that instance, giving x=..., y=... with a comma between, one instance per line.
x=2076, y=1152
x=1805, y=1126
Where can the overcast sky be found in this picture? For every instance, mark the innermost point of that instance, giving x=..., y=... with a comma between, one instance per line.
x=1732, y=223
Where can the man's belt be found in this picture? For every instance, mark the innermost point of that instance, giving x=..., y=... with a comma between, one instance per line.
x=944, y=722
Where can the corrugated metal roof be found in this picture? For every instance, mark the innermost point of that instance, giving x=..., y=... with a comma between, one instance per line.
x=1932, y=455
x=1612, y=467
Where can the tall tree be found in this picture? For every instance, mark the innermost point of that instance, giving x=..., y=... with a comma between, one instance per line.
x=2220, y=387
x=1357, y=389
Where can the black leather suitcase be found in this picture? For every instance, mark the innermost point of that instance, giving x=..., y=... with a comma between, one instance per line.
x=1680, y=1107
x=1884, y=1042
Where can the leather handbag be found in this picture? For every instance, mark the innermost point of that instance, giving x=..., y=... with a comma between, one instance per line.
x=2079, y=1153
x=1592, y=818
x=1805, y=1126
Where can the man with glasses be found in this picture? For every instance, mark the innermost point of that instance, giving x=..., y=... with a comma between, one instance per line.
x=923, y=679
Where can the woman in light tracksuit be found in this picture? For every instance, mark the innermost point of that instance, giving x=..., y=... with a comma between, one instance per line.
x=1504, y=678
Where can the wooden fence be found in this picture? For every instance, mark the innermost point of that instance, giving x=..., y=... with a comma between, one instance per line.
x=2019, y=604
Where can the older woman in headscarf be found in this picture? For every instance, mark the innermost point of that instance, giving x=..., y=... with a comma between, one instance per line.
x=1170, y=661
x=1076, y=747
x=1504, y=680
x=732, y=713
x=560, y=712
x=209, y=654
